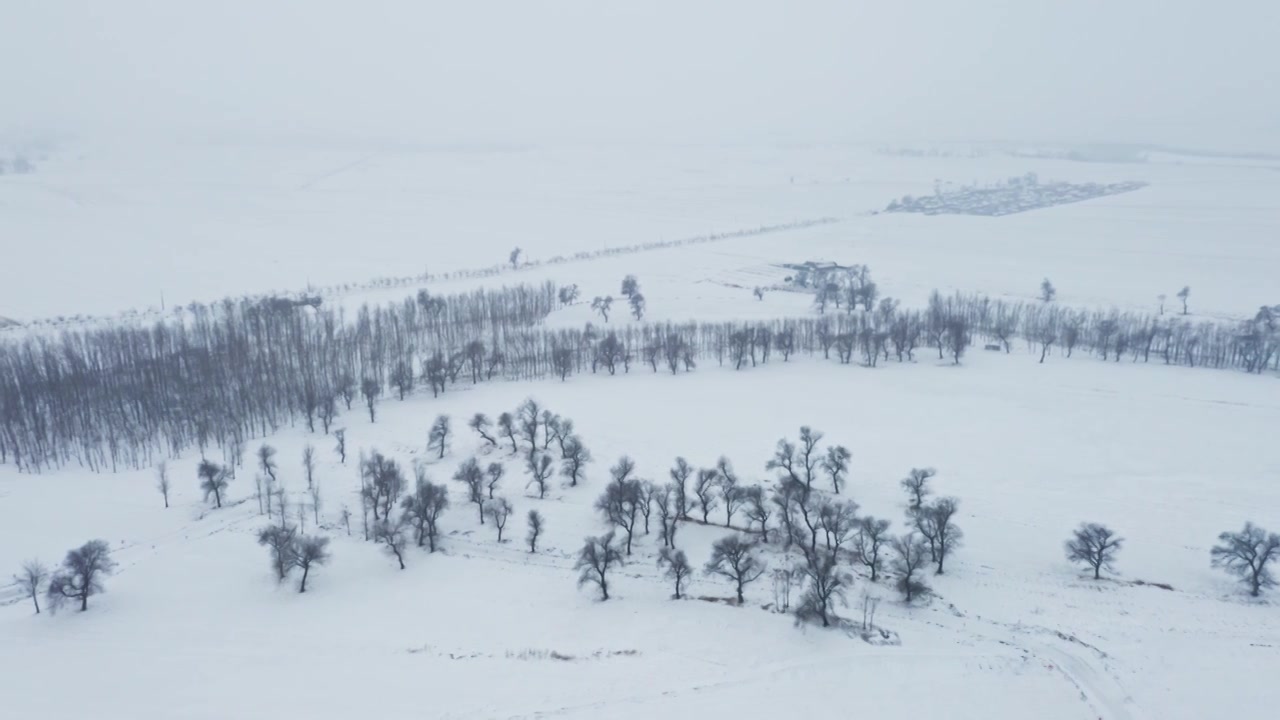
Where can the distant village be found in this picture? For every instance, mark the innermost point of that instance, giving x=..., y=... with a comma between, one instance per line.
x=1015, y=195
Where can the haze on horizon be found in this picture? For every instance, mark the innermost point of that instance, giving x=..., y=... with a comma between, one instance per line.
x=1142, y=71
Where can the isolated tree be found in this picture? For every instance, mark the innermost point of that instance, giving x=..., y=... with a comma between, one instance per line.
x=602, y=305
x=507, y=428
x=473, y=478
x=936, y=522
x=370, y=389
x=311, y=551
x=80, y=576
x=597, y=557
x=637, y=304
x=281, y=541
x=676, y=566
x=391, y=536
x=162, y=480
x=423, y=509
x=340, y=444
x=536, y=524
x=309, y=463
x=267, y=461
x=568, y=294
x=31, y=579
x=493, y=476
x=480, y=424
x=735, y=559
x=620, y=505
x=498, y=510
x=213, y=480
x=574, y=457
x=869, y=543
x=704, y=487
x=438, y=437
x=916, y=483
x=1094, y=545
x=1047, y=291
x=630, y=286
x=540, y=470
x=910, y=555
x=836, y=465
x=1183, y=294
x=514, y=257
x=1247, y=555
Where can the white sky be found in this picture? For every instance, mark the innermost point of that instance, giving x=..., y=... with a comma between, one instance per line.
x=1195, y=72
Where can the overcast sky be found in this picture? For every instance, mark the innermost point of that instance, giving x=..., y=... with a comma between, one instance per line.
x=1202, y=72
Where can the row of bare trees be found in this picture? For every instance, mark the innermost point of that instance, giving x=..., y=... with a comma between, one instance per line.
x=128, y=397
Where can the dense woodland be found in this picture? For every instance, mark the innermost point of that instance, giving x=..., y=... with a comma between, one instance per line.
x=130, y=397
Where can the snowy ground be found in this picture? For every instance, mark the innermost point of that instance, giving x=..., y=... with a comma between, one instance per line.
x=194, y=625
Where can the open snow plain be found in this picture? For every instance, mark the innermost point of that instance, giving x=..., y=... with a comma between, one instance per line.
x=194, y=624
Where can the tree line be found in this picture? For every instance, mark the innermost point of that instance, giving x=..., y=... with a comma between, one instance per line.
x=130, y=396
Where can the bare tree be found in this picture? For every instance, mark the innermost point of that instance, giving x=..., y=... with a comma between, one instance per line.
x=370, y=389
x=438, y=437
x=1094, y=545
x=735, y=559
x=936, y=522
x=758, y=509
x=825, y=585
x=494, y=474
x=514, y=257
x=162, y=480
x=31, y=579
x=620, y=504
x=873, y=535
x=957, y=337
x=637, y=303
x=80, y=576
x=677, y=567
x=680, y=479
x=1047, y=291
x=309, y=464
x=630, y=286
x=267, y=461
x=470, y=475
x=1183, y=294
x=574, y=457
x=596, y=558
x=340, y=444
x=498, y=510
x=664, y=500
x=391, y=535
x=1247, y=554
x=423, y=509
x=602, y=306
x=314, y=492
x=507, y=427
x=836, y=464
x=839, y=520
x=916, y=483
x=480, y=424
x=540, y=470
x=536, y=525
x=909, y=557
x=213, y=480
x=311, y=551
x=281, y=540
x=704, y=487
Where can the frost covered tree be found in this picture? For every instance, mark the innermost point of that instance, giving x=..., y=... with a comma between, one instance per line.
x=873, y=535
x=391, y=536
x=735, y=559
x=162, y=481
x=213, y=480
x=472, y=477
x=438, y=437
x=1247, y=554
x=597, y=557
x=574, y=458
x=498, y=510
x=836, y=465
x=311, y=551
x=281, y=541
x=31, y=579
x=480, y=423
x=423, y=509
x=910, y=556
x=494, y=473
x=536, y=524
x=539, y=468
x=1094, y=545
x=80, y=576
x=916, y=483
x=676, y=566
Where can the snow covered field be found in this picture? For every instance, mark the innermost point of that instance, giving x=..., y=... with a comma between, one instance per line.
x=194, y=625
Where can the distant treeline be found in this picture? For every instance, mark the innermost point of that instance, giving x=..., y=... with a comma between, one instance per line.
x=128, y=397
